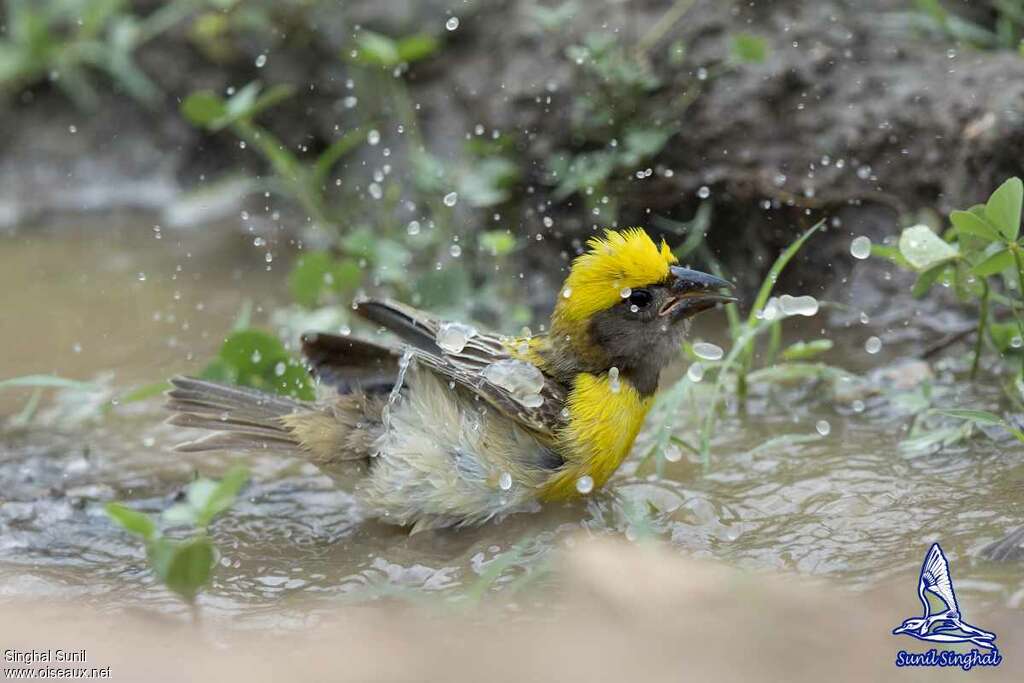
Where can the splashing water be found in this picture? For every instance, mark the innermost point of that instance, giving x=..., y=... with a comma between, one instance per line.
x=453, y=336
x=860, y=247
x=585, y=484
x=396, y=390
x=798, y=305
x=521, y=379
x=707, y=351
x=613, y=380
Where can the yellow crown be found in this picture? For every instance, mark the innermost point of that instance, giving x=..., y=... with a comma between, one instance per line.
x=622, y=260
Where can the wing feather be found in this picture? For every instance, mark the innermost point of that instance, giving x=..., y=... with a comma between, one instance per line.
x=329, y=355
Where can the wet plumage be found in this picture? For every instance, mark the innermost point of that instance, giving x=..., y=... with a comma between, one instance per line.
x=433, y=435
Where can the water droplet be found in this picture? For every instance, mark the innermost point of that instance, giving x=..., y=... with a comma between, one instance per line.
x=142, y=277
x=1016, y=342
x=702, y=74
x=613, y=380
x=505, y=481
x=672, y=453
x=256, y=356
x=261, y=61
x=413, y=228
x=585, y=484
x=455, y=250
x=280, y=368
x=453, y=336
x=860, y=247
x=72, y=129
x=519, y=378
x=452, y=23
x=708, y=351
x=873, y=345
x=532, y=401
x=625, y=292
x=567, y=292
x=798, y=305
x=695, y=373
x=823, y=427
x=858, y=406
x=373, y=137
x=148, y=442
x=704, y=192
x=451, y=198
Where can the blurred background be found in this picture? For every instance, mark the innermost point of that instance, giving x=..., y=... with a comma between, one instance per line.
x=187, y=186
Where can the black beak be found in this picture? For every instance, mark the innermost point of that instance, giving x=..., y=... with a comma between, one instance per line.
x=693, y=291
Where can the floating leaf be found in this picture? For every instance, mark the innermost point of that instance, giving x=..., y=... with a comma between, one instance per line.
x=923, y=249
x=187, y=566
x=375, y=49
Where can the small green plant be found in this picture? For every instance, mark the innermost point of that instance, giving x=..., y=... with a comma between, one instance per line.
x=186, y=565
x=620, y=118
x=980, y=256
x=1006, y=32
x=65, y=40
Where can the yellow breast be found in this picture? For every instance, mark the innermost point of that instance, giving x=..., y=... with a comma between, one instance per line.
x=604, y=419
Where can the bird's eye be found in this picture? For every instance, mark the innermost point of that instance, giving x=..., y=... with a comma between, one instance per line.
x=640, y=298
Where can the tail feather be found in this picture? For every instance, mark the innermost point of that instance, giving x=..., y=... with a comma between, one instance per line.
x=241, y=419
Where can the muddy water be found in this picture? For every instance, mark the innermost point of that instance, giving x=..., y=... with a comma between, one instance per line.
x=84, y=300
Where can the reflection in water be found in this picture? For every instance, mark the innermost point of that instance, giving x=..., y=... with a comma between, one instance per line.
x=848, y=505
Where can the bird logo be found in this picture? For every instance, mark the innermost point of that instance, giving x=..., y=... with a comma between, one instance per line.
x=944, y=625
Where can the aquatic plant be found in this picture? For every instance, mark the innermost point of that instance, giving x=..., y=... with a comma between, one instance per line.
x=185, y=566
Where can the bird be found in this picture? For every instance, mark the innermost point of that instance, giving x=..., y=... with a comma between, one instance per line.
x=453, y=426
x=948, y=625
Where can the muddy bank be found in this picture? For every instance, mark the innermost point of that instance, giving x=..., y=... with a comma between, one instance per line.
x=850, y=114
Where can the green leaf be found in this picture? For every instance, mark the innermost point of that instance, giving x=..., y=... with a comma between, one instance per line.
x=1003, y=336
x=374, y=49
x=203, y=108
x=144, y=392
x=131, y=521
x=994, y=264
x=497, y=242
x=890, y=254
x=47, y=382
x=256, y=359
x=749, y=49
x=180, y=514
x=979, y=416
x=969, y=223
x=189, y=566
x=926, y=279
x=309, y=278
x=1004, y=206
x=803, y=350
x=768, y=284
x=923, y=249
x=223, y=495
x=417, y=47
